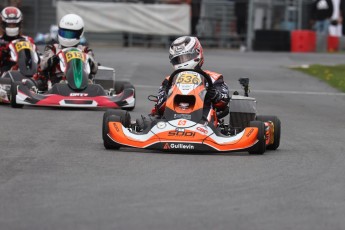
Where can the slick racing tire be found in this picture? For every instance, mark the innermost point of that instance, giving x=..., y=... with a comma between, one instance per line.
x=13, y=94
x=276, y=134
x=120, y=86
x=260, y=147
x=117, y=116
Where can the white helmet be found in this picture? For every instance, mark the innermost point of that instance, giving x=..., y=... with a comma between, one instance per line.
x=186, y=52
x=71, y=29
x=11, y=21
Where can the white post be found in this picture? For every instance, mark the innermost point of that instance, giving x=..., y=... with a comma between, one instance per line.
x=250, y=32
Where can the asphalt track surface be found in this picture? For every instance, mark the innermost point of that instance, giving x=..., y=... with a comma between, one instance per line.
x=56, y=174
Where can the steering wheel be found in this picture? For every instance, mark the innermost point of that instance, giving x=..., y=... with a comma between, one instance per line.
x=204, y=74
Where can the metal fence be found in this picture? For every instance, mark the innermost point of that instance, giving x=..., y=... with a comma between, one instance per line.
x=284, y=15
x=221, y=23
x=217, y=24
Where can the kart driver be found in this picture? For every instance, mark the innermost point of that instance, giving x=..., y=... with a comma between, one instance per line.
x=11, y=29
x=186, y=53
x=71, y=29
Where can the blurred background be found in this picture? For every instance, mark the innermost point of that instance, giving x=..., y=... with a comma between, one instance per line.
x=234, y=24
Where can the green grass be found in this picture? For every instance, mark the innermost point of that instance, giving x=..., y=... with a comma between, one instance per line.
x=333, y=75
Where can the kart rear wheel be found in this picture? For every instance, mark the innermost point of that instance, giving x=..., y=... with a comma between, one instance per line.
x=117, y=116
x=276, y=134
x=13, y=94
x=260, y=147
x=120, y=86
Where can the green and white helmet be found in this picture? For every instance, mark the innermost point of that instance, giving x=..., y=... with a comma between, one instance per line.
x=71, y=29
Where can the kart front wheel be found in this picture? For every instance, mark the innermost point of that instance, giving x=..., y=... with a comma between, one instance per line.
x=113, y=116
x=276, y=133
x=260, y=147
x=125, y=117
x=13, y=94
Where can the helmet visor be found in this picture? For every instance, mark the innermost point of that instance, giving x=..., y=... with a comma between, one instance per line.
x=183, y=58
x=70, y=34
x=12, y=25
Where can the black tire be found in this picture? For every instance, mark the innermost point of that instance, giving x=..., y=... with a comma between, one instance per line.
x=13, y=94
x=6, y=81
x=260, y=147
x=124, y=116
x=277, y=128
x=113, y=115
x=120, y=86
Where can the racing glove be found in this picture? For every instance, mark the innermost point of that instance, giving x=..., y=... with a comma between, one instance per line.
x=161, y=98
x=213, y=94
x=88, y=51
x=52, y=61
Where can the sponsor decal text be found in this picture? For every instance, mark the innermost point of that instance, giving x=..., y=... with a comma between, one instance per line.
x=78, y=94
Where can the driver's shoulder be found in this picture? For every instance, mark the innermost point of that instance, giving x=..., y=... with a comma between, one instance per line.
x=84, y=48
x=215, y=76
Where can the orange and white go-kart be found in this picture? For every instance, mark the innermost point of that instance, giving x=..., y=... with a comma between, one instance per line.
x=184, y=127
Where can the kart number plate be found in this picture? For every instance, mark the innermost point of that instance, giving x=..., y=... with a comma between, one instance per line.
x=188, y=78
x=70, y=55
x=23, y=45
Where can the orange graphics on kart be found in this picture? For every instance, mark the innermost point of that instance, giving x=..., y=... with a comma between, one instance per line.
x=185, y=127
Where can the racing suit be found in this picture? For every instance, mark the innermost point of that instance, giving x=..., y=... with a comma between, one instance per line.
x=217, y=96
x=50, y=67
x=5, y=62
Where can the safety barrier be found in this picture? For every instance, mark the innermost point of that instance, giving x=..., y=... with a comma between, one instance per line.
x=218, y=23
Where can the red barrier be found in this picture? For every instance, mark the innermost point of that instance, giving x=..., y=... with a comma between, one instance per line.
x=303, y=41
x=332, y=44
